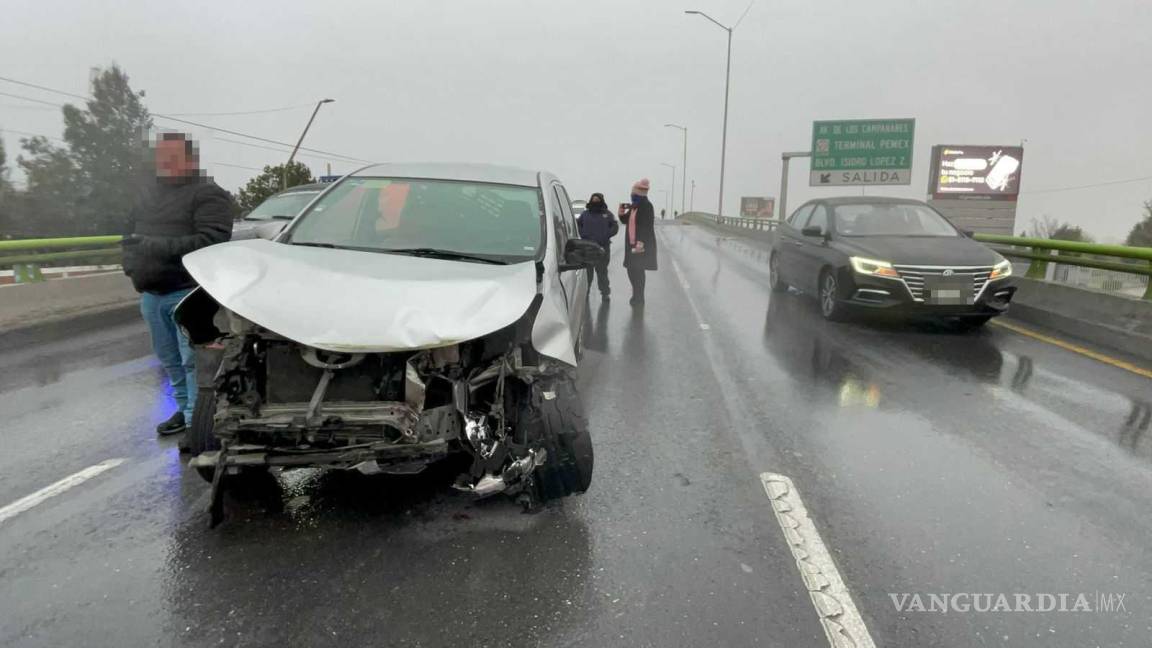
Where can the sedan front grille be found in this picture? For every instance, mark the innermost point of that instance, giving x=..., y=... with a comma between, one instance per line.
x=913, y=277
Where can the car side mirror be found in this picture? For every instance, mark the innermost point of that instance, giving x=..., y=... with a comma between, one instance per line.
x=814, y=230
x=968, y=233
x=581, y=253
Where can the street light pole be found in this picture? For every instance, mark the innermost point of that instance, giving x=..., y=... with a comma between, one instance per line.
x=692, y=202
x=684, y=164
x=284, y=174
x=672, y=188
x=727, y=84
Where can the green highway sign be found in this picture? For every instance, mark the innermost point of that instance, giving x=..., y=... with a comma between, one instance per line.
x=862, y=152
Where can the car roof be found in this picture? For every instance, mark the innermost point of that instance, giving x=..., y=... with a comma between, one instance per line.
x=453, y=171
x=868, y=200
x=315, y=186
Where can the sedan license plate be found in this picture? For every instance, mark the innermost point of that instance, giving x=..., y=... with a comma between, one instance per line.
x=948, y=291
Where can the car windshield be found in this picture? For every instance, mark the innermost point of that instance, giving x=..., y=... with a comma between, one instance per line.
x=285, y=205
x=891, y=220
x=497, y=222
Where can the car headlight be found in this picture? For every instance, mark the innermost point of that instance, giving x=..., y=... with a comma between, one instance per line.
x=873, y=267
x=1001, y=270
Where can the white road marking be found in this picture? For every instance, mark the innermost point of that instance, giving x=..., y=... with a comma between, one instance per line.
x=688, y=293
x=842, y=622
x=71, y=481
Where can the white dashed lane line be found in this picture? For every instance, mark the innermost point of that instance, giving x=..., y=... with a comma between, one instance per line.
x=842, y=622
x=688, y=294
x=71, y=481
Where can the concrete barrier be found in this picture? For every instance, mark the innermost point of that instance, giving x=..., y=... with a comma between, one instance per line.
x=1105, y=319
x=36, y=304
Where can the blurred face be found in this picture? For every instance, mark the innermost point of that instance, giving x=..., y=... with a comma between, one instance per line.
x=172, y=161
x=595, y=200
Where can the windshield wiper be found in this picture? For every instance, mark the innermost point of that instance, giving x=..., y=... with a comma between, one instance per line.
x=311, y=244
x=443, y=254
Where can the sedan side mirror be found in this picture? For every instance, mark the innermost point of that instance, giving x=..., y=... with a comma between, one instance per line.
x=581, y=253
x=814, y=230
x=968, y=233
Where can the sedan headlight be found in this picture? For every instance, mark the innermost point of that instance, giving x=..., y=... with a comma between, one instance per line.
x=1001, y=270
x=873, y=267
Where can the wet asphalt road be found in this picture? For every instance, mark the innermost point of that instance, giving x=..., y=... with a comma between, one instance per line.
x=931, y=462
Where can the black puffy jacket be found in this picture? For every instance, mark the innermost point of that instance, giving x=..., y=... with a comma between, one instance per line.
x=168, y=221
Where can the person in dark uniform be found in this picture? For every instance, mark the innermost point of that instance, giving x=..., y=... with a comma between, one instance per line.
x=640, y=246
x=598, y=224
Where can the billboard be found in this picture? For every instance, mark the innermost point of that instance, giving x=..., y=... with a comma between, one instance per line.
x=862, y=152
x=757, y=207
x=976, y=172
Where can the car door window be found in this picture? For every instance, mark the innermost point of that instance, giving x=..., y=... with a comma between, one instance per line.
x=799, y=216
x=569, y=215
x=818, y=218
x=559, y=220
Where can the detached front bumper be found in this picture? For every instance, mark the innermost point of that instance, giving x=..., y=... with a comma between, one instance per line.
x=380, y=457
x=894, y=296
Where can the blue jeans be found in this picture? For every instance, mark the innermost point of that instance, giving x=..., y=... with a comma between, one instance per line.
x=171, y=347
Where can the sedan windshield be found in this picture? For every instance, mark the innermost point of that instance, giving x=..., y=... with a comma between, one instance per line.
x=891, y=220
x=464, y=220
x=285, y=205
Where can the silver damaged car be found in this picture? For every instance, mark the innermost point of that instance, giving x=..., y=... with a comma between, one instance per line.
x=409, y=314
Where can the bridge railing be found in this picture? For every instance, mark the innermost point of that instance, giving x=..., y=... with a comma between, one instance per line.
x=1117, y=261
x=758, y=224
x=27, y=257
x=1115, y=268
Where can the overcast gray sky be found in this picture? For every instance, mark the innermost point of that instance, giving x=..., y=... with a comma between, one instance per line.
x=583, y=87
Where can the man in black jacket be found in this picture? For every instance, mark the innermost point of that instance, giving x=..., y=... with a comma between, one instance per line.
x=183, y=211
x=598, y=224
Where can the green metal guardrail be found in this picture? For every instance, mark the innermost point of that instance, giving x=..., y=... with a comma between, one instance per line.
x=35, y=254
x=1041, y=252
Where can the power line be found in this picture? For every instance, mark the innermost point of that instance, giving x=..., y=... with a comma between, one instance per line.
x=334, y=156
x=39, y=101
x=57, y=139
x=1087, y=186
x=242, y=112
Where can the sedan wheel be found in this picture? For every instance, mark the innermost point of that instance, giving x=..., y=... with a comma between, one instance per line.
x=774, y=274
x=830, y=306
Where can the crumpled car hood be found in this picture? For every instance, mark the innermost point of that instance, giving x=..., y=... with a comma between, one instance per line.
x=345, y=300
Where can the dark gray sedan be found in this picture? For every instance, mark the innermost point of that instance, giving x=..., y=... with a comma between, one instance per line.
x=889, y=254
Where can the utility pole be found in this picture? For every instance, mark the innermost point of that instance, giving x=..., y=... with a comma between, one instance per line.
x=672, y=189
x=284, y=174
x=692, y=203
x=727, y=84
x=683, y=165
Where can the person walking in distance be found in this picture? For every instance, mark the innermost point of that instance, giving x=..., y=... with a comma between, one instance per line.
x=640, y=247
x=182, y=211
x=599, y=225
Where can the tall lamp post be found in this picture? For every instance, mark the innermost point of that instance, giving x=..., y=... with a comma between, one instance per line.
x=683, y=164
x=727, y=82
x=672, y=187
x=284, y=175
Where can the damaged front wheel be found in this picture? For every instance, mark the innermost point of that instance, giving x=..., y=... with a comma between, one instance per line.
x=554, y=418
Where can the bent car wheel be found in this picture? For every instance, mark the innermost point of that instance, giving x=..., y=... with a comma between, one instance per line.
x=562, y=431
x=201, y=435
x=830, y=306
x=774, y=274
